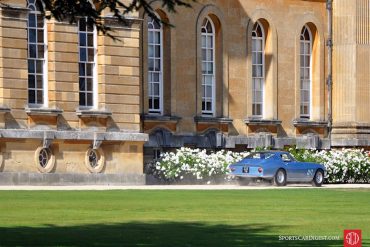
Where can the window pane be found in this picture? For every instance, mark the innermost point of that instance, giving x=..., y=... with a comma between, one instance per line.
x=151, y=51
x=82, y=99
x=82, y=84
x=32, y=50
x=82, y=71
x=209, y=106
x=157, y=38
x=259, y=45
x=40, y=51
x=89, y=99
x=210, y=55
x=156, y=89
x=307, y=61
x=40, y=36
x=157, y=65
x=204, y=41
x=204, y=54
x=39, y=64
x=39, y=97
x=31, y=81
x=83, y=54
x=90, y=27
x=90, y=40
x=89, y=84
x=82, y=24
x=32, y=35
x=40, y=21
x=151, y=64
x=39, y=81
x=155, y=77
x=307, y=73
x=210, y=68
x=209, y=42
x=82, y=37
x=31, y=66
x=151, y=37
x=307, y=48
x=89, y=69
x=302, y=61
x=31, y=96
x=156, y=103
x=209, y=91
x=157, y=51
x=32, y=20
x=259, y=71
x=204, y=67
x=91, y=54
x=259, y=57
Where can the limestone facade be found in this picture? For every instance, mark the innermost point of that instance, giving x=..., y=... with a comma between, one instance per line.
x=281, y=122
x=228, y=74
x=54, y=131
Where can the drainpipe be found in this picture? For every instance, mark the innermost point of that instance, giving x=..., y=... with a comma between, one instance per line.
x=329, y=80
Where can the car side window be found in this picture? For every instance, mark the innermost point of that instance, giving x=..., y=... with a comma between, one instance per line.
x=286, y=158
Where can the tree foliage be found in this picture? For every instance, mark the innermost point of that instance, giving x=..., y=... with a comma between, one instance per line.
x=94, y=9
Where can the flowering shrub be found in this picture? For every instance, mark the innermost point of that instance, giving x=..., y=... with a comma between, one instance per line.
x=343, y=166
x=194, y=162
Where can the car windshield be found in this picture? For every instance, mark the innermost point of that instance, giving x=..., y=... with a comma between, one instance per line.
x=260, y=155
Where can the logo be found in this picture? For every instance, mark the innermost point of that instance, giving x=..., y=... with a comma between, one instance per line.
x=352, y=238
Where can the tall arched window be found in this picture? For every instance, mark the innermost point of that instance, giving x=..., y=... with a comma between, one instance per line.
x=258, y=69
x=208, y=68
x=37, y=56
x=87, y=48
x=155, y=66
x=305, y=72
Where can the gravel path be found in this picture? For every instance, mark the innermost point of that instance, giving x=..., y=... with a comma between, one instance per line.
x=186, y=187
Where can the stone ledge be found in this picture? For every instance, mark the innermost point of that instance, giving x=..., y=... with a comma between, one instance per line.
x=44, y=179
x=258, y=121
x=34, y=111
x=4, y=109
x=308, y=123
x=88, y=113
x=159, y=118
x=221, y=120
x=73, y=135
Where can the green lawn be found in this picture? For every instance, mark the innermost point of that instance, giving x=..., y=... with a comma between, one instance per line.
x=181, y=218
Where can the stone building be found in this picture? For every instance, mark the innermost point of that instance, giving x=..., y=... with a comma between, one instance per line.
x=241, y=74
x=69, y=99
x=229, y=74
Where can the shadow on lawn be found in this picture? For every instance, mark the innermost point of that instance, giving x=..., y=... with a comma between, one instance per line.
x=163, y=234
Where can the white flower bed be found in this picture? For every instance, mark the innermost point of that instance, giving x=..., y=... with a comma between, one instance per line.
x=196, y=163
x=343, y=166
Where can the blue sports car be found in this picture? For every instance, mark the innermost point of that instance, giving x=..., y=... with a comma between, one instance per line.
x=278, y=167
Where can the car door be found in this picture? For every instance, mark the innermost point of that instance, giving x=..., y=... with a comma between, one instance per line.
x=293, y=169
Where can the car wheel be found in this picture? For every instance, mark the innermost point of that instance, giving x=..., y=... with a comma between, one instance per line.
x=318, y=179
x=244, y=181
x=280, y=178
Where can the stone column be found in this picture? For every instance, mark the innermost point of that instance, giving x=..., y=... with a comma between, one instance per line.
x=351, y=83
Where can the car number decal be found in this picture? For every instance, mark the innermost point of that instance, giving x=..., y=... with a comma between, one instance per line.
x=309, y=172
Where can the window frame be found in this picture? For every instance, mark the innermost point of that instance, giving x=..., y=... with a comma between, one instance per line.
x=212, y=112
x=32, y=7
x=310, y=42
x=94, y=69
x=263, y=76
x=153, y=111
